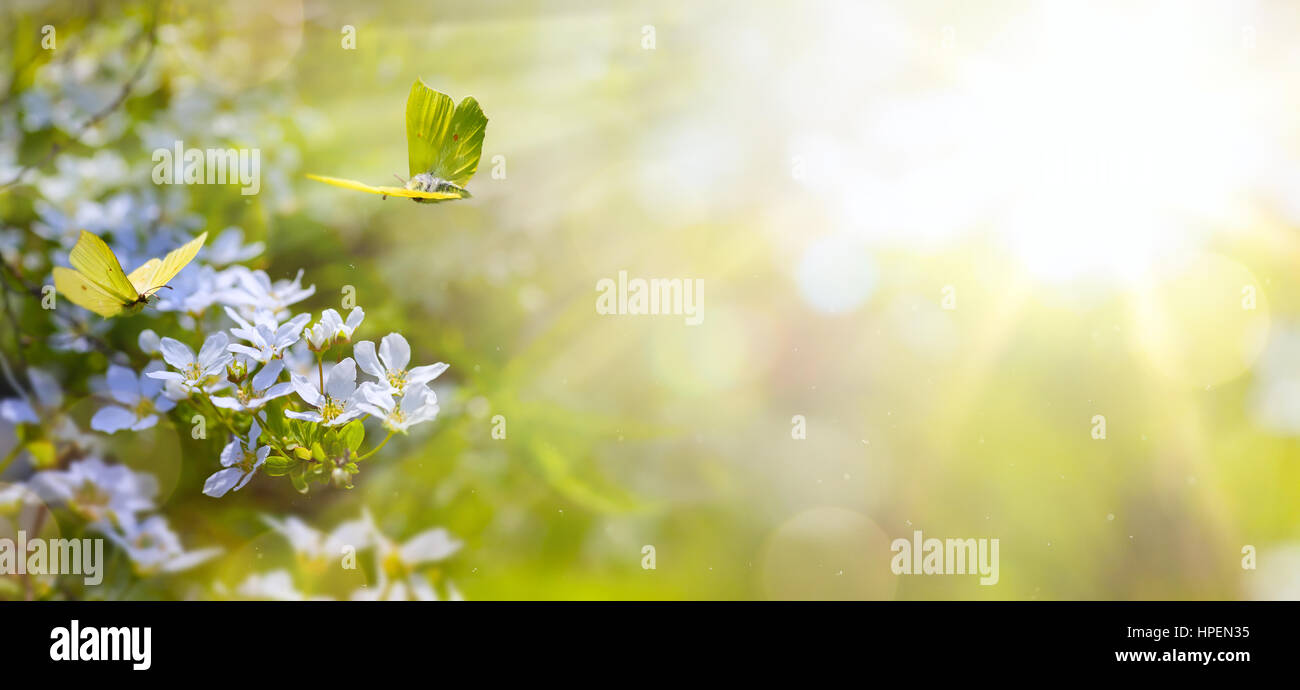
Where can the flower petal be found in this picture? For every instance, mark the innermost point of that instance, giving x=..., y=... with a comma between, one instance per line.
x=331, y=320
x=355, y=317
x=255, y=354
x=267, y=376
x=231, y=453
x=226, y=403
x=372, y=409
x=176, y=353
x=166, y=375
x=421, y=588
x=145, y=423
x=148, y=341
x=122, y=384
x=291, y=331
x=254, y=432
x=341, y=380
x=47, y=390
x=16, y=411
x=306, y=389
x=365, y=354
x=425, y=373
x=430, y=545
x=245, y=480
x=149, y=386
x=112, y=419
x=305, y=416
x=395, y=352
x=213, y=350
x=189, y=559
x=277, y=391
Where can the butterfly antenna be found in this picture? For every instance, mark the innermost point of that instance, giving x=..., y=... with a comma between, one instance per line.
x=399, y=178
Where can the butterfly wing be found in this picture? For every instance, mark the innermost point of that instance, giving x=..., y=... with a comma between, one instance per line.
x=417, y=194
x=443, y=140
x=141, y=277
x=428, y=121
x=387, y=191
x=346, y=184
x=460, y=153
x=84, y=293
x=155, y=273
x=99, y=266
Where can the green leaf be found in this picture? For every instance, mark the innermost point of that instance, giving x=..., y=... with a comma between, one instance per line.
x=275, y=420
x=299, y=482
x=352, y=434
x=278, y=465
x=333, y=445
x=318, y=453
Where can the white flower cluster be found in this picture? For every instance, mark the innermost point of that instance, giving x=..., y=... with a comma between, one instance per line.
x=241, y=371
x=397, y=565
x=223, y=340
x=111, y=498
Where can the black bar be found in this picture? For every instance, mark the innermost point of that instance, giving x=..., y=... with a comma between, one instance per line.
x=302, y=640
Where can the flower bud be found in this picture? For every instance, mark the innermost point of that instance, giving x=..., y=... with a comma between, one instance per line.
x=236, y=372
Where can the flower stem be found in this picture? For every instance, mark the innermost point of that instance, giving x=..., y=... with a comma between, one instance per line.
x=220, y=417
x=9, y=458
x=376, y=448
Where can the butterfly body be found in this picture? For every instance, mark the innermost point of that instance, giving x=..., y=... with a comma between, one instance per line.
x=426, y=182
x=97, y=282
x=444, y=142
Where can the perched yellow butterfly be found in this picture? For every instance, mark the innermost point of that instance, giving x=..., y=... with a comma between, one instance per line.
x=444, y=142
x=100, y=285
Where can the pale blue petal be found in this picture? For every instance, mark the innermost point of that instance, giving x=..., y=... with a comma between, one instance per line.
x=245, y=480
x=267, y=376
x=17, y=411
x=306, y=416
x=277, y=391
x=176, y=353
x=47, y=390
x=231, y=453
x=122, y=384
x=214, y=348
x=226, y=403
x=149, y=386
x=166, y=375
x=306, y=390
x=112, y=419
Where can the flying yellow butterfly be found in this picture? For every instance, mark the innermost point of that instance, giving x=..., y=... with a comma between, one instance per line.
x=444, y=142
x=100, y=285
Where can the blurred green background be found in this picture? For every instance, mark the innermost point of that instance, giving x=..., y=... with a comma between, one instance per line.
x=947, y=236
